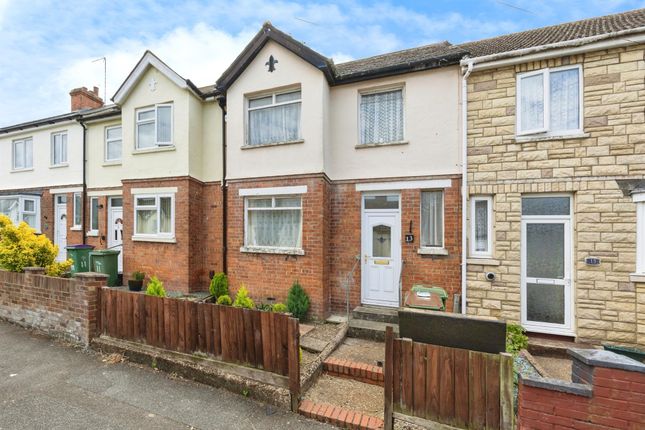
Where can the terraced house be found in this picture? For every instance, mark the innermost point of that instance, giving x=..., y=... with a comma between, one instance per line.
x=556, y=174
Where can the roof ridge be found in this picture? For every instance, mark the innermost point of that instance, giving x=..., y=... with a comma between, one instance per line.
x=437, y=44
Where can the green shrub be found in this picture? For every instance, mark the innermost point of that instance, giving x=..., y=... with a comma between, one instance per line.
x=155, y=288
x=242, y=299
x=298, y=301
x=59, y=270
x=21, y=247
x=138, y=276
x=267, y=307
x=219, y=285
x=224, y=300
x=516, y=338
x=280, y=308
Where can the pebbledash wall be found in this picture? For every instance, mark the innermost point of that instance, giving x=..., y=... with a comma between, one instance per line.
x=589, y=167
x=65, y=308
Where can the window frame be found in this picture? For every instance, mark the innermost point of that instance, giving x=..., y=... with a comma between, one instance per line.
x=640, y=236
x=158, y=235
x=94, y=231
x=77, y=206
x=273, y=94
x=443, y=220
x=24, y=141
x=22, y=198
x=546, y=129
x=489, y=243
x=273, y=207
x=378, y=90
x=108, y=141
x=64, y=147
x=155, y=120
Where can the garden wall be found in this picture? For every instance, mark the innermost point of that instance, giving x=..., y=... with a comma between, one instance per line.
x=60, y=307
x=607, y=392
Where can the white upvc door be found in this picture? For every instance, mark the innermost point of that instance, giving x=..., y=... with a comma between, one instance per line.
x=115, y=227
x=546, y=269
x=60, y=226
x=381, y=251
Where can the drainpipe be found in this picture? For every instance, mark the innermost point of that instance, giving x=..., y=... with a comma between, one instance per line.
x=84, y=192
x=222, y=104
x=464, y=183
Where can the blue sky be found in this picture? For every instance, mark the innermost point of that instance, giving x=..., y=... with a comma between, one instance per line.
x=47, y=47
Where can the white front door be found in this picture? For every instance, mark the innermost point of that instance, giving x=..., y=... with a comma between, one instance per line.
x=115, y=227
x=381, y=249
x=60, y=226
x=547, y=288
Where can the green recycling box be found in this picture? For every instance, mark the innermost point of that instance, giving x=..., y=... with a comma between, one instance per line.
x=80, y=255
x=106, y=261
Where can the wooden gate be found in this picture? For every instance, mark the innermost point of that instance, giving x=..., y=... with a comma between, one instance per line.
x=456, y=387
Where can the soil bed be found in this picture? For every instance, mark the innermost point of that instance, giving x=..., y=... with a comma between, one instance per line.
x=360, y=350
x=348, y=394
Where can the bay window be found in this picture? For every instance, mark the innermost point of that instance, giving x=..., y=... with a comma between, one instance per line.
x=154, y=216
x=432, y=219
x=59, y=148
x=22, y=208
x=549, y=101
x=481, y=226
x=113, y=143
x=273, y=222
x=153, y=126
x=381, y=117
x=23, y=154
x=274, y=118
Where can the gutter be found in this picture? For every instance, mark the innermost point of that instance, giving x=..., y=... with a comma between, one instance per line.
x=84, y=192
x=464, y=182
x=222, y=104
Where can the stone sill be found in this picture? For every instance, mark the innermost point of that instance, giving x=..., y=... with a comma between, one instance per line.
x=92, y=233
x=638, y=278
x=164, y=148
x=111, y=163
x=432, y=251
x=264, y=145
x=59, y=166
x=376, y=145
x=269, y=250
x=30, y=169
x=76, y=228
x=154, y=239
x=544, y=138
x=482, y=262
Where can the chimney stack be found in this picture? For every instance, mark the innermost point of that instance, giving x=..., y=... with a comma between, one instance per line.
x=82, y=98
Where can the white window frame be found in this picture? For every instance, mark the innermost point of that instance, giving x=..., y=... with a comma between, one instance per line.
x=546, y=130
x=272, y=208
x=273, y=95
x=489, y=244
x=443, y=221
x=24, y=141
x=77, y=205
x=108, y=141
x=94, y=231
x=640, y=233
x=370, y=91
x=155, y=120
x=159, y=236
x=21, y=208
x=64, y=144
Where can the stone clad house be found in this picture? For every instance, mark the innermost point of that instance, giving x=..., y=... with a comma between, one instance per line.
x=556, y=171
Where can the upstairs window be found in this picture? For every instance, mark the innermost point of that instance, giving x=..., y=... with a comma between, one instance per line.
x=59, y=149
x=432, y=219
x=274, y=222
x=381, y=117
x=154, y=126
x=274, y=118
x=113, y=143
x=23, y=155
x=549, y=101
x=22, y=208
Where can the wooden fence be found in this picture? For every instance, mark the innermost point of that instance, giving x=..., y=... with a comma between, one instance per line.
x=457, y=387
x=262, y=340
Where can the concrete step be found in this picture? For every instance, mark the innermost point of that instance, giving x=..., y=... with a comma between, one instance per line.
x=378, y=314
x=553, y=347
x=371, y=330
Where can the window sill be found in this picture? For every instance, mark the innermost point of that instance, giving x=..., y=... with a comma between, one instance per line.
x=269, y=250
x=156, y=149
x=75, y=228
x=264, y=145
x=432, y=251
x=30, y=169
x=92, y=233
x=111, y=163
x=58, y=166
x=543, y=138
x=480, y=261
x=375, y=145
x=637, y=278
x=154, y=239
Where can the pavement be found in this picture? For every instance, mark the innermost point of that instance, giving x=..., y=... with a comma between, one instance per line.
x=46, y=384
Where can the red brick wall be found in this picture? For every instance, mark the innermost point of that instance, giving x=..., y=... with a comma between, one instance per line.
x=618, y=402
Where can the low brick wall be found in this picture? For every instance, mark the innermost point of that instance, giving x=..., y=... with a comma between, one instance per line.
x=607, y=392
x=65, y=308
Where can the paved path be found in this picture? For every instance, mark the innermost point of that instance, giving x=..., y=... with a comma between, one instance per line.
x=47, y=385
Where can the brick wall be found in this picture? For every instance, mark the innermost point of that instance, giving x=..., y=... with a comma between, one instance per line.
x=588, y=167
x=64, y=308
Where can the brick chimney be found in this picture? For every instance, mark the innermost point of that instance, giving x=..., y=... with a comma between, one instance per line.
x=82, y=98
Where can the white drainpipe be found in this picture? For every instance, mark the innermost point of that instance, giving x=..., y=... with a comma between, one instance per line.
x=464, y=182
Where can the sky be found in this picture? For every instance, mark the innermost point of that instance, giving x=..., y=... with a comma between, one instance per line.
x=49, y=47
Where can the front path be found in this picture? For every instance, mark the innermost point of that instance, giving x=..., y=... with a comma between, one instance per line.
x=44, y=384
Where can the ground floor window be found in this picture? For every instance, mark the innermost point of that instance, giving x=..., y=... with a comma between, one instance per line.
x=154, y=216
x=432, y=219
x=273, y=222
x=640, y=233
x=481, y=226
x=22, y=208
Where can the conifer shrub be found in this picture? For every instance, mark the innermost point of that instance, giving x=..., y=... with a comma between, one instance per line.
x=224, y=300
x=219, y=285
x=242, y=299
x=155, y=288
x=298, y=301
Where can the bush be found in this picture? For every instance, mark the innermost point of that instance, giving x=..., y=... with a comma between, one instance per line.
x=155, y=288
x=219, y=285
x=516, y=338
x=224, y=300
x=138, y=276
x=267, y=307
x=242, y=299
x=298, y=301
x=280, y=308
x=21, y=247
x=59, y=269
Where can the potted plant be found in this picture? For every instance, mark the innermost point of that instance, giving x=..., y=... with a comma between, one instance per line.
x=136, y=283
